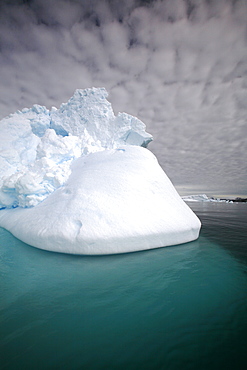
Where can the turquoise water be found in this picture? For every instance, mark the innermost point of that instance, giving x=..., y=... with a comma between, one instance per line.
x=182, y=307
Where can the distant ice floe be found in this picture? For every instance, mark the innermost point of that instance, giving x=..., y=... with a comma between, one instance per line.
x=204, y=198
x=38, y=146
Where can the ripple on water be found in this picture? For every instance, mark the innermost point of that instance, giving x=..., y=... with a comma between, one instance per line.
x=175, y=307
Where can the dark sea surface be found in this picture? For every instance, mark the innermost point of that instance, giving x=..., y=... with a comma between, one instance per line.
x=181, y=307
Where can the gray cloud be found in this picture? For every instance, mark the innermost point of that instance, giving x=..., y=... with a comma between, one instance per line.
x=180, y=66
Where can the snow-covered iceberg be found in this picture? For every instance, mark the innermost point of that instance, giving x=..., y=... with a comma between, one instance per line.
x=78, y=180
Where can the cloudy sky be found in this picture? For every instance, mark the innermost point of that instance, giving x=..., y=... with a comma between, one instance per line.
x=179, y=65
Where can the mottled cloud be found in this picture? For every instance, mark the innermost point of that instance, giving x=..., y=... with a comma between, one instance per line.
x=179, y=65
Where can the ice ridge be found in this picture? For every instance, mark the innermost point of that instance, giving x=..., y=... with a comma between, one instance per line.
x=38, y=146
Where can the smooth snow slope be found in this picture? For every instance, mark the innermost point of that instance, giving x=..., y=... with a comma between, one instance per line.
x=115, y=201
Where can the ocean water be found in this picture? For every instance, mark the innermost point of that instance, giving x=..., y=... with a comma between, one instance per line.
x=181, y=307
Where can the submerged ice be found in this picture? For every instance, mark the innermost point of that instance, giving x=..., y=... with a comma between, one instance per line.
x=78, y=180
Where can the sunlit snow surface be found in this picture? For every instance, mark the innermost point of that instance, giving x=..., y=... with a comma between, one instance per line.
x=76, y=180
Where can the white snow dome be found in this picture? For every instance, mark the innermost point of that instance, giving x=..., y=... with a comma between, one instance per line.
x=80, y=180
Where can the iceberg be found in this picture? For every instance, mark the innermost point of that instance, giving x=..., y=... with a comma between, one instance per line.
x=205, y=198
x=80, y=180
x=196, y=198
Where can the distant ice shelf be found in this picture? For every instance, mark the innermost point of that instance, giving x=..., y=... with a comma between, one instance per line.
x=80, y=180
x=205, y=198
